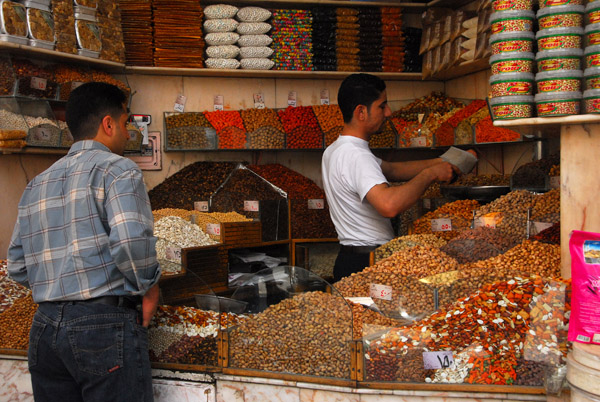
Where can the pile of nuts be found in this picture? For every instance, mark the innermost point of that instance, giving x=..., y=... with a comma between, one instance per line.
x=181, y=233
x=550, y=235
x=187, y=131
x=195, y=182
x=187, y=335
x=478, y=244
x=488, y=332
x=510, y=213
x=403, y=242
x=386, y=138
x=330, y=120
x=534, y=174
x=459, y=212
x=264, y=129
x=366, y=321
x=546, y=207
x=10, y=291
x=308, y=334
x=15, y=323
x=471, y=180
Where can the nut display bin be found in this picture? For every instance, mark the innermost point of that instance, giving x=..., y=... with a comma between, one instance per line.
x=43, y=128
x=189, y=131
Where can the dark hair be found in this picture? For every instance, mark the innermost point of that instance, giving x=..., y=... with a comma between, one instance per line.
x=88, y=104
x=358, y=89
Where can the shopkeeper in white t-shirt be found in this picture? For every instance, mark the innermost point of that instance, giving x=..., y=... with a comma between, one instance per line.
x=361, y=201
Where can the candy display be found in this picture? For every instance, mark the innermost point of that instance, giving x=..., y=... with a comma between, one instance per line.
x=323, y=38
x=292, y=39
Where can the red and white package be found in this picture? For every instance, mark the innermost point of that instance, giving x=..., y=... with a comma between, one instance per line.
x=584, y=323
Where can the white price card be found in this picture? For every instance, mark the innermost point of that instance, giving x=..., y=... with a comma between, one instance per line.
x=485, y=222
x=201, y=206
x=251, y=206
x=38, y=83
x=418, y=142
x=218, y=103
x=180, y=103
x=325, y=97
x=316, y=204
x=437, y=360
x=75, y=85
x=427, y=203
x=259, y=101
x=554, y=181
x=213, y=229
x=383, y=292
x=365, y=301
x=292, y=98
x=441, y=225
x=173, y=253
x=539, y=226
x=41, y=133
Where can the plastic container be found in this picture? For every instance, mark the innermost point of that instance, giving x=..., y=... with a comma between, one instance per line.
x=592, y=34
x=505, y=5
x=13, y=19
x=591, y=101
x=586, y=354
x=560, y=17
x=559, y=38
x=514, y=62
x=558, y=103
x=85, y=17
x=88, y=36
x=512, y=21
x=592, y=13
x=40, y=25
x=559, y=81
x=592, y=78
x=558, y=3
x=511, y=107
x=512, y=42
x=579, y=395
x=511, y=84
x=592, y=56
x=559, y=59
x=583, y=377
x=43, y=128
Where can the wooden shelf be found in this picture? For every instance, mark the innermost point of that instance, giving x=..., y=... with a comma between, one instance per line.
x=468, y=67
x=34, y=151
x=557, y=121
x=239, y=73
x=52, y=55
x=409, y=6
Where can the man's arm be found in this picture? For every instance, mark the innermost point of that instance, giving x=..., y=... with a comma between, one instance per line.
x=403, y=171
x=150, y=304
x=390, y=201
x=16, y=258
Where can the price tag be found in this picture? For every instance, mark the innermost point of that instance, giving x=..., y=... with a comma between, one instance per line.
x=365, y=301
x=325, y=97
x=251, y=206
x=485, y=222
x=316, y=204
x=201, y=206
x=173, y=253
x=554, y=181
x=441, y=225
x=180, y=103
x=292, y=98
x=539, y=226
x=41, y=134
x=38, y=83
x=427, y=203
x=75, y=85
x=437, y=360
x=259, y=101
x=383, y=292
x=218, y=103
x=418, y=142
x=213, y=229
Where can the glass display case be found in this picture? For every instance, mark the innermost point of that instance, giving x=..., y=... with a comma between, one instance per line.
x=43, y=129
x=34, y=80
x=189, y=131
x=298, y=325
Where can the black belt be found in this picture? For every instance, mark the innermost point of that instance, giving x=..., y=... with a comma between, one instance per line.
x=131, y=302
x=357, y=249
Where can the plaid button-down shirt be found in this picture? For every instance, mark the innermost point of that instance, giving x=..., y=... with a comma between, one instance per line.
x=85, y=229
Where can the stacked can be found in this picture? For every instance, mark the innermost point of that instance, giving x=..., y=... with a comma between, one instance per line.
x=591, y=95
x=512, y=59
x=292, y=39
x=559, y=40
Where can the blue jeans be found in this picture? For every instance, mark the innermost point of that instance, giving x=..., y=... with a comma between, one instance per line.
x=88, y=352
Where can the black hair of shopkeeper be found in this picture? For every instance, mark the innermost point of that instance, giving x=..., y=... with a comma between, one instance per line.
x=88, y=104
x=358, y=89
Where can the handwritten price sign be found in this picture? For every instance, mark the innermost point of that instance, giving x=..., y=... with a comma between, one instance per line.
x=485, y=222
x=38, y=83
x=201, y=206
x=418, y=142
x=316, y=204
x=251, y=206
x=213, y=229
x=437, y=360
x=382, y=292
x=41, y=134
x=441, y=225
x=173, y=253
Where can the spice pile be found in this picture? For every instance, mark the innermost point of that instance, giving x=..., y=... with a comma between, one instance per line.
x=187, y=335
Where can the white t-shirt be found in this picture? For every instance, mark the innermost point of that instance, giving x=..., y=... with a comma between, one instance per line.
x=349, y=171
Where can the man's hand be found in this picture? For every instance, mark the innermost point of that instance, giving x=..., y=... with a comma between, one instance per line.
x=149, y=304
x=443, y=172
